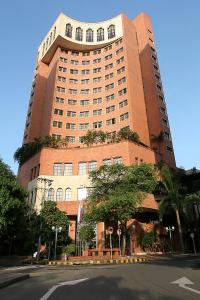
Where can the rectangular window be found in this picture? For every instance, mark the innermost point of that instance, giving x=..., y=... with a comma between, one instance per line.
x=165, y=122
x=62, y=79
x=122, y=80
x=117, y=160
x=68, y=169
x=57, y=169
x=71, y=126
x=57, y=124
x=159, y=87
x=82, y=168
x=83, y=72
x=72, y=92
x=97, y=60
x=84, y=102
x=107, y=162
x=163, y=110
x=97, y=101
x=60, y=100
x=85, y=92
x=122, y=92
x=86, y=53
x=167, y=135
x=161, y=98
x=111, y=121
x=83, y=126
x=157, y=77
x=97, y=51
x=124, y=116
x=97, y=112
x=121, y=70
x=64, y=60
x=108, y=76
x=70, y=139
x=154, y=58
x=110, y=109
x=96, y=79
x=108, y=48
x=56, y=136
x=123, y=103
x=110, y=97
x=62, y=69
x=96, y=70
x=107, y=57
x=71, y=113
x=85, y=62
x=97, y=125
x=75, y=53
x=58, y=112
x=60, y=89
x=92, y=166
x=120, y=60
x=72, y=102
x=74, y=62
x=84, y=114
x=97, y=90
x=169, y=148
x=119, y=50
x=118, y=42
x=73, y=71
x=72, y=80
x=155, y=67
x=107, y=67
x=85, y=81
x=109, y=86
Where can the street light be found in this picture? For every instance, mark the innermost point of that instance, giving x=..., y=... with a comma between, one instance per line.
x=132, y=231
x=192, y=237
x=56, y=229
x=170, y=229
x=119, y=232
x=110, y=232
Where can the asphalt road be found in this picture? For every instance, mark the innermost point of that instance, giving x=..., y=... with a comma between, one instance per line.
x=147, y=281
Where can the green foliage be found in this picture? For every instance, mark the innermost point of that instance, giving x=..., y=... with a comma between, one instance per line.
x=189, y=203
x=69, y=249
x=26, y=151
x=87, y=233
x=147, y=240
x=51, y=216
x=117, y=191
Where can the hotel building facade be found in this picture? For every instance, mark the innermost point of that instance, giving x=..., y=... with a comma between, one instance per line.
x=93, y=76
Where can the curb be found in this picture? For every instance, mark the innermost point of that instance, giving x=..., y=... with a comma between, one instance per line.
x=13, y=280
x=98, y=262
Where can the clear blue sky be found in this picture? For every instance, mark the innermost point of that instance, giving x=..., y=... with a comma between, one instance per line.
x=23, y=25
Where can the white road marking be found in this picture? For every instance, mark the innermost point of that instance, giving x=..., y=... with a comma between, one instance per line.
x=183, y=282
x=24, y=267
x=50, y=292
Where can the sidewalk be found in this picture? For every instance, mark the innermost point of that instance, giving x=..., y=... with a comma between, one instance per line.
x=10, y=278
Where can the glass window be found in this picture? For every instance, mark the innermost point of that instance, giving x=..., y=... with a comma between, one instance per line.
x=68, y=30
x=59, y=194
x=100, y=34
x=50, y=196
x=82, y=193
x=111, y=31
x=89, y=35
x=57, y=169
x=79, y=34
x=107, y=162
x=68, y=194
x=92, y=166
x=117, y=160
x=68, y=169
x=82, y=168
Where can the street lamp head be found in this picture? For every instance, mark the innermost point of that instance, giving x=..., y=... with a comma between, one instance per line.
x=53, y=228
x=60, y=229
x=167, y=228
x=173, y=228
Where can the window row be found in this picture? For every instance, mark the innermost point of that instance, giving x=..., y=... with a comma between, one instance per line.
x=66, y=195
x=89, y=36
x=96, y=90
x=66, y=169
x=94, y=101
x=95, y=125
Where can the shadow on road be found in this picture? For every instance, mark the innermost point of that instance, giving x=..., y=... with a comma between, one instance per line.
x=178, y=262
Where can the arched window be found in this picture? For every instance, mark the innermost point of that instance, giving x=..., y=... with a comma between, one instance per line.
x=79, y=34
x=89, y=35
x=100, y=34
x=68, y=30
x=50, y=196
x=59, y=195
x=111, y=31
x=68, y=194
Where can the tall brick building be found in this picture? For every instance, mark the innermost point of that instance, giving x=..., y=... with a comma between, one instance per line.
x=93, y=76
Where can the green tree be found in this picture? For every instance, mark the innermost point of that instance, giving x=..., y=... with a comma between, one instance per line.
x=87, y=233
x=171, y=198
x=50, y=216
x=116, y=193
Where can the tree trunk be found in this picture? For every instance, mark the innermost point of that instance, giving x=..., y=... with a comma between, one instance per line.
x=123, y=238
x=179, y=230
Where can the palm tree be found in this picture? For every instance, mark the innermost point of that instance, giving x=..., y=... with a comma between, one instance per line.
x=172, y=198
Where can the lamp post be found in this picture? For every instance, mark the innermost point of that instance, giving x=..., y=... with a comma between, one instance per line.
x=56, y=229
x=48, y=182
x=110, y=232
x=132, y=230
x=192, y=237
x=170, y=229
x=119, y=232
